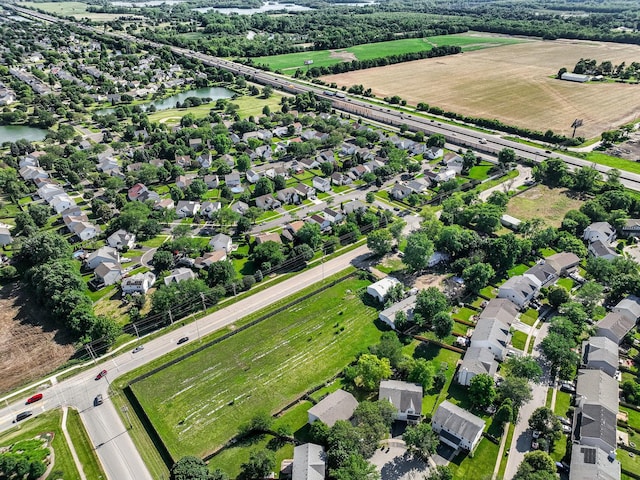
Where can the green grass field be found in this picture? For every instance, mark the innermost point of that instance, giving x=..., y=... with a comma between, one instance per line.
x=259, y=369
x=68, y=9
x=326, y=58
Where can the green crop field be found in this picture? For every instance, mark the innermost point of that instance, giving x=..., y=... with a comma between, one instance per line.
x=199, y=403
x=325, y=58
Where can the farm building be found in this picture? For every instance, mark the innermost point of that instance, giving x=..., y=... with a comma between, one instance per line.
x=575, y=77
x=380, y=289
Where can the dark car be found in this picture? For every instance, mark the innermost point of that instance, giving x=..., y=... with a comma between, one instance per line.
x=98, y=400
x=183, y=340
x=23, y=415
x=101, y=374
x=35, y=398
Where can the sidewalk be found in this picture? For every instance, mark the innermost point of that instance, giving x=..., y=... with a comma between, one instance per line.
x=72, y=448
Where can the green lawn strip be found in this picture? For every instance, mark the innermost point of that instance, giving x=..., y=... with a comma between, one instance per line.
x=547, y=402
x=480, y=172
x=482, y=463
x=324, y=391
x=497, y=181
x=529, y=317
x=629, y=463
x=100, y=294
x=633, y=416
x=519, y=339
x=83, y=446
x=259, y=369
x=488, y=292
x=547, y=252
x=154, y=242
x=464, y=313
x=141, y=439
x=531, y=345
x=46, y=422
x=437, y=356
x=608, y=160
x=505, y=458
x=518, y=270
x=566, y=283
x=563, y=402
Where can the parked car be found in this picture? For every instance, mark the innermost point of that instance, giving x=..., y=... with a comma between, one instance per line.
x=183, y=340
x=536, y=434
x=23, y=415
x=564, y=420
x=534, y=444
x=566, y=428
x=98, y=400
x=139, y=348
x=35, y=398
x=568, y=387
x=101, y=374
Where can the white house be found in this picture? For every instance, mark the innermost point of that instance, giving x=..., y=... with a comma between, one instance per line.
x=179, y=275
x=138, y=283
x=86, y=230
x=457, y=428
x=108, y=273
x=476, y=361
x=186, y=208
x=252, y=177
x=629, y=307
x=405, y=397
x=380, y=289
x=102, y=255
x=492, y=330
x=519, y=289
x=309, y=462
x=615, y=326
x=444, y=176
x=121, y=239
x=602, y=231
x=61, y=202
x=600, y=353
x=407, y=305
x=5, y=236
x=209, y=208
x=321, y=184
x=221, y=242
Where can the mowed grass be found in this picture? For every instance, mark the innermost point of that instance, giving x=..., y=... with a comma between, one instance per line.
x=199, y=403
x=326, y=58
x=482, y=462
x=84, y=448
x=69, y=9
x=549, y=204
x=64, y=468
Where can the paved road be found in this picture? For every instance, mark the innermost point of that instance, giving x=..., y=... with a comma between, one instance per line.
x=521, y=442
x=108, y=434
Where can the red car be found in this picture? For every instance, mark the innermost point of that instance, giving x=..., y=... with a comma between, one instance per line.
x=101, y=374
x=35, y=398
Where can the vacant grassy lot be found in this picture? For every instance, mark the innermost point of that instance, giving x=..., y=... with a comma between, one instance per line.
x=199, y=403
x=68, y=9
x=499, y=82
x=325, y=58
x=543, y=202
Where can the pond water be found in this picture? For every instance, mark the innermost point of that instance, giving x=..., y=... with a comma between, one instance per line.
x=11, y=133
x=170, y=102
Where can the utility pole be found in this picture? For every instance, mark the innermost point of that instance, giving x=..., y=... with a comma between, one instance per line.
x=125, y=410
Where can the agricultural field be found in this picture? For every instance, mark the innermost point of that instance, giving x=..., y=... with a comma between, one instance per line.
x=199, y=403
x=549, y=204
x=324, y=58
x=514, y=84
x=70, y=9
x=30, y=346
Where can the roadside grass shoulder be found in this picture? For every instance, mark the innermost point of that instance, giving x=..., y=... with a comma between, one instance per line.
x=84, y=448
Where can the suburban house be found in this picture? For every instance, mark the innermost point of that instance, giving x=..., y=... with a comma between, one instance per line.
x=209, y=208
x=407, y=305
x=595, y=387
x=232, y=181
x=252, y=177
x=239, y=207
x=183, y=181
x=305, y=191
x=288, y=195
x=309, y=163
x=267, y=237
x=380, y=289
x=600, y=353
x=267, y=202
x=211, y=181
x=167, y=203
x=595, y=425
x=309, y=462
x=210, y=258
x=61, y=202
x=338, y=405
x=543, y=273
x=338, y=178
x=121, y=239
x=520, y=289
x=432, y=153
x=321, y=184
x=492, y=330
x=602, y=231
x=107, y=273
x=102, y=255
x=138, y=283
x=134, y=192
x=457, y=428
x=445, y=175
x=600, y=249
x=400, y=191
x=5, y=236
x=614, y=326
x=593, y=463
x=476, y=360
x=221, y=242
x=331, y=215
x=353, y=206
x=179, y=275
x=405, y=397
x=187, y=208
x=629, y=307
x=563, y=263
x=323, y=222
x=453, y=161
x=631, y=228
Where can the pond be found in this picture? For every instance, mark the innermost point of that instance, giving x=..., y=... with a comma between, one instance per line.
x=11, y=133
x=170, y=102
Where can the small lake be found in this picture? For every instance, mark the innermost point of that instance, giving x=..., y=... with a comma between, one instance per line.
x=267, y=7
x=170, y=102
x=11, y=133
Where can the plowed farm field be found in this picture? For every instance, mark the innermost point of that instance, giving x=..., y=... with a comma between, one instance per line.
x=515, y=84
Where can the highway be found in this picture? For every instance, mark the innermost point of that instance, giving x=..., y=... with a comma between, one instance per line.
x=455, y=134
x=108, y=434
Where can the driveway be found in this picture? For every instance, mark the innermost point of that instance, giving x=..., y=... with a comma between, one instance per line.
x=394, y=463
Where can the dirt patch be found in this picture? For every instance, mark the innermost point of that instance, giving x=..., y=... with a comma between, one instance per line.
x=630, y=149
x=342, y=55
x=30, y=345
x=515, y=84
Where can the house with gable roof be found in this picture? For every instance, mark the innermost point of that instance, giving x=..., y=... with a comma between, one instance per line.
x=405, y=397
x=338, y=405
x=457, y=428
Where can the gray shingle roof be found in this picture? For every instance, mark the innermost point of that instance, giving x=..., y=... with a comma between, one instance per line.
x=478, y=361
x=616, y=324
x=458, y=421
x=403, y=395
x=599, y=349
x=594, y=387
x=338, y=405
x=308, y=462
x=500, y=309
x=591, y=463
x=596, y=421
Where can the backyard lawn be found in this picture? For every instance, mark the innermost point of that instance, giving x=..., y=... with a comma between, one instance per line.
x=482, y=463
x=549, y=204
x=259, y=369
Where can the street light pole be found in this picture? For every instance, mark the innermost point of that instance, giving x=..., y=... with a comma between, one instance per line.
x=125, y=410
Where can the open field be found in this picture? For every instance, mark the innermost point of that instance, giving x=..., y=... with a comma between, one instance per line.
x=30, y=346
x=259, y=369
x=325, y=58
x=67, y=9
x=513, y=84
x=549, y=204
